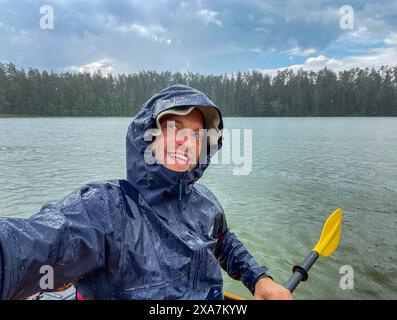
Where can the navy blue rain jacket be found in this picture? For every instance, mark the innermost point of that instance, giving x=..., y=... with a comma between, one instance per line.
x=157, y=235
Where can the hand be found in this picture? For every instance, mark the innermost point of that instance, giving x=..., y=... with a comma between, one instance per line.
x=267, y=289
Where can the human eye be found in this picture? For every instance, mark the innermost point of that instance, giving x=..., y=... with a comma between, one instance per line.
x=196, y=135
x=171, y=125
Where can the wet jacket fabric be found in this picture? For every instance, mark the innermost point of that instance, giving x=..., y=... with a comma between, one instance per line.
x=156, y=235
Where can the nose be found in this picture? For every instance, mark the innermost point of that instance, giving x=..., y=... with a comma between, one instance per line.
x=185, y=137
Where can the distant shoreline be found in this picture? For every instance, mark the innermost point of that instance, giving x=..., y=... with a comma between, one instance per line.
x=291, y=93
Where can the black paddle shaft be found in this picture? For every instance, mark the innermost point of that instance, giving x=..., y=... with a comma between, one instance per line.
x=300, y=271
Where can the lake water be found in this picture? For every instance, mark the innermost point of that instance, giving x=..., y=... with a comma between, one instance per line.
x=303, y=169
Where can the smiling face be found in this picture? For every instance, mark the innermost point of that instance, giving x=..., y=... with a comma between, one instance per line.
x=179, y=145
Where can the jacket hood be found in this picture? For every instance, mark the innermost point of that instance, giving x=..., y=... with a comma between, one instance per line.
x=153, y=180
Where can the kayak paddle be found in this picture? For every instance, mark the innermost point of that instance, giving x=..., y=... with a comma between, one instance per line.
x=329, y=241
x=326, y=246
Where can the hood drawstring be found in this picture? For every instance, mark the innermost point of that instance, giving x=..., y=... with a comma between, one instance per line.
x=181, y=186
x=180, y=191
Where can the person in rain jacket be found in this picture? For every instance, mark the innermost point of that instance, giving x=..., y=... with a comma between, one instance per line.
x=156, y=235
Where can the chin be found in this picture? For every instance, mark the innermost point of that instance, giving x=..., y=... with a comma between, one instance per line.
x=179, y=168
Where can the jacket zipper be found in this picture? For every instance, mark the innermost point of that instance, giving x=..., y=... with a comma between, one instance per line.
x=197, y=244
x=199, y=254
x=180, y=189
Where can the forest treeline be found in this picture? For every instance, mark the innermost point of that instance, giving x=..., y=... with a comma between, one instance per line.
x=354, y=92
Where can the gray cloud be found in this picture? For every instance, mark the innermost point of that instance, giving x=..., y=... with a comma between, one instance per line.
x=202, y=36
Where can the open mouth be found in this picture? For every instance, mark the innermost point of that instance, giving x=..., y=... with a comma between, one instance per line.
x=179, y=158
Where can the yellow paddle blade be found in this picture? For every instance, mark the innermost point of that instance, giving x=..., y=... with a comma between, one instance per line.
x=330, y=235
x=232, y=296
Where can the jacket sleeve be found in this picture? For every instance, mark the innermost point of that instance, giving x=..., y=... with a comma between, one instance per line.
x=234, y=258
x=67, y=236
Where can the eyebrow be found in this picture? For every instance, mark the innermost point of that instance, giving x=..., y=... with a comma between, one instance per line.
x=180, y=123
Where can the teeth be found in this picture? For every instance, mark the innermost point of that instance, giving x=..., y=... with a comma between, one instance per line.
x=179, y=157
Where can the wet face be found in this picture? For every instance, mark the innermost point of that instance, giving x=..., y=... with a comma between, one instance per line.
x=179, y=145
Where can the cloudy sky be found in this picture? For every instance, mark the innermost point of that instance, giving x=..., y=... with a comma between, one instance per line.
x=205, y=36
